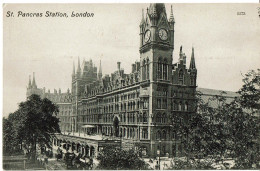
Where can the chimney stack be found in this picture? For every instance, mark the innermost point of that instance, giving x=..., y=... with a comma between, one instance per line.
x=118, y=65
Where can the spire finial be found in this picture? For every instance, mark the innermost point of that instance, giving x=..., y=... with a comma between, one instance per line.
x=73, y=71
x=78, y=70
x=100, y=71
x=171, y=16
x=30, y=84
x=33, y=82
x=142, y=20
x=192, y=61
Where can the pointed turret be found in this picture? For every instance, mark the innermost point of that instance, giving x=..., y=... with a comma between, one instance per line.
x=142, y=20
x=153, y=11
x=180, y=55
x=73, y=71
x=193, y=70
x=171, y=20
x=78, y=70
x=29, y=84
x=33, y=82
x=192, y=61
x=100, y=71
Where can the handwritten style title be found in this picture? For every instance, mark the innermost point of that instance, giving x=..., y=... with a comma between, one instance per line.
x=49, y=14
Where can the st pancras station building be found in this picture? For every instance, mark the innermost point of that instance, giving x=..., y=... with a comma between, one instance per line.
x=131, y=110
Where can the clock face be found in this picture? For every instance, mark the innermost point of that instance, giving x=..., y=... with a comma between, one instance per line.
x=147, y=35
x=163, y=34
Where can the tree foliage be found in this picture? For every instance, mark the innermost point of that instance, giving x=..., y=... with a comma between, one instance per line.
x=33, y=123
x=221, y=129
x=113, y=158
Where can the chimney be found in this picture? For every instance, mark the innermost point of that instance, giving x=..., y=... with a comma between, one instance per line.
x=118, y=65
x=59, y=90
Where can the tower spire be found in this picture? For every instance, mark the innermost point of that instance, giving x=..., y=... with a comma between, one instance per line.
x=30, y=84
x=181, y=54
x=73, y=71
x=171, y=16
x=78, y=70
x=33, y=82
x=142, y=21
x=192, y=61
x=100, y=71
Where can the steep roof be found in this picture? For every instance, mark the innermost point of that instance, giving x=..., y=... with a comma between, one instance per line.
x=208, y=94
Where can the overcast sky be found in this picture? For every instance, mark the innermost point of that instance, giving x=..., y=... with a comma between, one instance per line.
x=226, y=44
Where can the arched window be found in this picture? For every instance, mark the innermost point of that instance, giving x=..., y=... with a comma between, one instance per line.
x=147, y=68
x=181, y=77
x=159, y=73
x=158, y=117
x=165, y=69
x=144, y=117
x=164, y=135
x=180, y=106
x=186, y=107
x=144, y=70
x=158, y=135
x=164, y=117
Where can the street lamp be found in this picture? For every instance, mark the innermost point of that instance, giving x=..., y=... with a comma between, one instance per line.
x=159, y=153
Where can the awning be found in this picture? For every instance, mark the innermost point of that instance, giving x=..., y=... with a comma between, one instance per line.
x=88, y=126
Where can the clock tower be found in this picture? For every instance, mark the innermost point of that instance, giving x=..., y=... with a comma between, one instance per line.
x=156, y=43
x=156, y=57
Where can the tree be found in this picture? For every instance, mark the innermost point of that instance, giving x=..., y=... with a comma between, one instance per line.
x=250, y=91
x=115, y=158
x=10, y=142
x=221, y=129
x=33, y=123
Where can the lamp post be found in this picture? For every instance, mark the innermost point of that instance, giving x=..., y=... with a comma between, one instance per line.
x=160, y=155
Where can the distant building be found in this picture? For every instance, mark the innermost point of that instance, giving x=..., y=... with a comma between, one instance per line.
x=135, y=108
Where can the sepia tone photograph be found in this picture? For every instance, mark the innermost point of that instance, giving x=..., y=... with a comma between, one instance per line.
x=127, y=86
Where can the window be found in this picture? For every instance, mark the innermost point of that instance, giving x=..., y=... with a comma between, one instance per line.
x=144, y=117
x=181, y=77
x=159, y=104
x=145, y=133
x=159, y=73
x=158, y=135
x=147, y=69
x=165, y=69
x=180, y=106
x=144, y=70
x=186, y=107
x=164, y=103
x=146, y=103
x=164, y=117
x=158, y=117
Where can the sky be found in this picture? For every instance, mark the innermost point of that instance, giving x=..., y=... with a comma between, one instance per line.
x=226, y=44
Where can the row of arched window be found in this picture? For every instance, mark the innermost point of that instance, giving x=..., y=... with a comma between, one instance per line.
x=161, y=103
x=132, y=118
x=162, y=69
x=161, y=118
x=180, y=106
x=161, y=135
x=122, y=107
